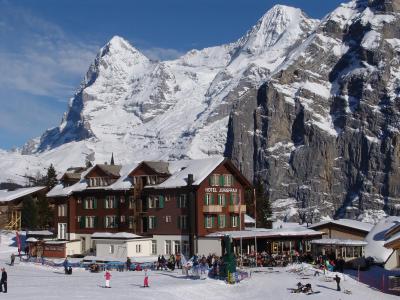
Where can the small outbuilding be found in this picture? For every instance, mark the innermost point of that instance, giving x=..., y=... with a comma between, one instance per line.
x=121, y=245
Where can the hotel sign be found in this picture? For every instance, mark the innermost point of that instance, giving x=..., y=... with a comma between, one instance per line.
x=221, y=190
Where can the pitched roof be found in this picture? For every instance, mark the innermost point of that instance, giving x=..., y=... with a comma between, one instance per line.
x=160, y=167
x=366, y=227
x=341, y=242
x=112, y=170
x=6, y=195
x=200, y=168
x=118, y=235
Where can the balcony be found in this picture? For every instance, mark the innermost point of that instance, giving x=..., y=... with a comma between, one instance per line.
x=237, y=208
x=212, y=208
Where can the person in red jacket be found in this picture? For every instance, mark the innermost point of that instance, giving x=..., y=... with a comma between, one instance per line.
x=146, y=278
x=108, y=277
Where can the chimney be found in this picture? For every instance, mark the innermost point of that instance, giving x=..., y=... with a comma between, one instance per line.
x=190, y=179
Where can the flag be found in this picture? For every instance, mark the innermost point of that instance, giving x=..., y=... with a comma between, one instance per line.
x=18, y=242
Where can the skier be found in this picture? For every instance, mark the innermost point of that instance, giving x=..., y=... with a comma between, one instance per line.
x=3, y=281
x=337, y=279
x=146, y=278
x=108, y=277
x=12, y=259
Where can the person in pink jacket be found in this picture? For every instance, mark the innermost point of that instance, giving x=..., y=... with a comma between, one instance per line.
x=108, y=277
x=146, y=278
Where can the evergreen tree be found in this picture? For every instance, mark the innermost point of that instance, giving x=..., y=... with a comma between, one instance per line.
x=51, y=177
x=29, y=213
x=263, y=207
x=45, y=214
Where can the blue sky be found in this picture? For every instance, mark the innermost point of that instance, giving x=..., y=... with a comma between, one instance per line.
x=46, y=45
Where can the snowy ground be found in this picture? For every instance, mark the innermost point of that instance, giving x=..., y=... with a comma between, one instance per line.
x=30, y=281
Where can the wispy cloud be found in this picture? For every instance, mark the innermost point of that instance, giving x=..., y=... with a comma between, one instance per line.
x=39, y=57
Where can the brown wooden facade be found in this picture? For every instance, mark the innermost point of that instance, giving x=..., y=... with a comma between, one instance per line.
x=194, y=210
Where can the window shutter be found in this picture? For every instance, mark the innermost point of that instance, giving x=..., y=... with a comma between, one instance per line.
x=232, y=180
x=219, y=223
x=210, y=181
x=231, y=200
x=155, y=222
x=96, y=222
x=84, y=203
x=82, y=222
x=221, y=180
x=179, y=222
x=115, y=202
x=94, y=203
x=212, y=199
x=161, y=201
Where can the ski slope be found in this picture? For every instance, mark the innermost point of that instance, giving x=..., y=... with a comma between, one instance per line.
x=31, y=281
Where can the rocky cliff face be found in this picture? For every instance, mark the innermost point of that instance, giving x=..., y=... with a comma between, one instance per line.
x=323, y=132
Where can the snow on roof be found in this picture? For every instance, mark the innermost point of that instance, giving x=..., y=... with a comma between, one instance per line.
x=341, y=242
x=249, y=220
x=395, y=237
x=40, y=233
x=262, y=232
x=347, y=223
x=376, y=240
x=281, y=224
x=6, y=195
x=31, y=239
x=200, y=168
x=118, y=235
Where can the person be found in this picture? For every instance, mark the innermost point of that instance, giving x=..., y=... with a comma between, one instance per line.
x=159, y=262
x=128, y=264
x=337, y=279
x=12, y=259
x=3, y=281
x=178, y=261
x=146, y=278
x=66, y=265
x=108, y=278
x=69, y=270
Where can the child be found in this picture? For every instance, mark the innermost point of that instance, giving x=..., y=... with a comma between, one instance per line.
x=146, y=278
x=108, y=277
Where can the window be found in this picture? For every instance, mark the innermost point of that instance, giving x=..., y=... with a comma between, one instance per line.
x=221, y=199
x=122, y=199
x=88, y=222
x=177, y=247
x=90, y=203
x=151, y=180
x=111, y=249
x=131, y=202
x=168, y=219
x=185, y=247
x=221, y=221
x=152, y=222
x=110, y=222
x=122, y=219
x=182, y=201
x=214, y=180
x=138, y=248
x=110, y=202
x=153, y=201
x=208, y=221
x=154, y=247
x=62, y=210
x=131, y=222
x=228, y=180
x=182, y=222
x=235, y=199
x=234, y=221
x=62, y=231
x=168, y=247
x=208, y=199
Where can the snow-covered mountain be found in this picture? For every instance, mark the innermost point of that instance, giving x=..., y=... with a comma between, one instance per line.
x=142, y=109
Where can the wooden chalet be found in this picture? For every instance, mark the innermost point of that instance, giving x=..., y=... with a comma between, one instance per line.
x=11, y=205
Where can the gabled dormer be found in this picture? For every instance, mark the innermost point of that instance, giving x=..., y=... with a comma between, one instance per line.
x=149, y=173
x=103, y=175
x=72, y=176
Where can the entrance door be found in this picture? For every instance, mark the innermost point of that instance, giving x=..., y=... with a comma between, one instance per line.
x=83, y=245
